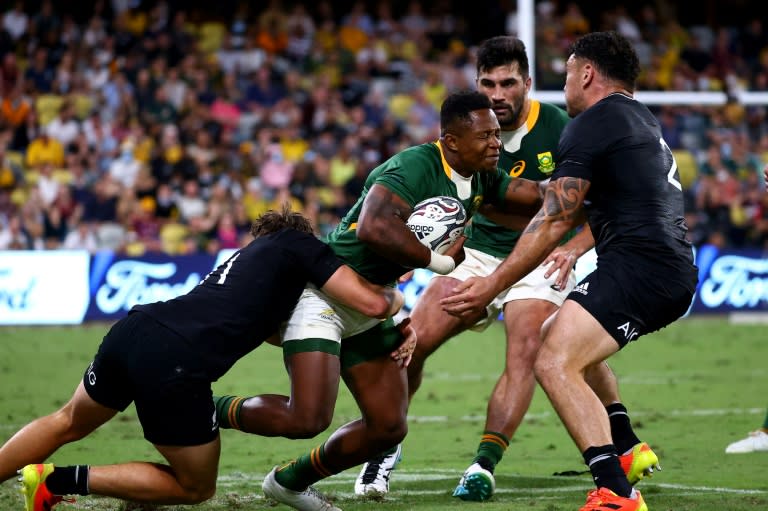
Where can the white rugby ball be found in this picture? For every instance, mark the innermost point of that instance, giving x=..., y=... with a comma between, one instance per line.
x=438, y=222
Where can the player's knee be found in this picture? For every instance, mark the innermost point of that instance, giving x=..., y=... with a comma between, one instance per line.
x=69, y=429
x=547, y=367
x=428, y=342
x=523, y=350
x=311, y=427
x=199, y=493
x=391, y=433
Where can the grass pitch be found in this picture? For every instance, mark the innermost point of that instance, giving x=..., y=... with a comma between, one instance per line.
x=690, y=389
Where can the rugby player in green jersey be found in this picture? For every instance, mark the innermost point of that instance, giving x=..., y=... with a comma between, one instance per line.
x=530, y=134
x=324, y=340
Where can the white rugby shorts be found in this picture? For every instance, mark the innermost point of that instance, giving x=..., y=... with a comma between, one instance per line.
x=533, y=286
x=317, y=316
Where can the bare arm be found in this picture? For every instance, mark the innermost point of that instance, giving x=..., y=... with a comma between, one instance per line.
x=522, y=200
x=563, y=258
x=382, y=226
x=523, y=197
x=562, y=210
x=508, y=220
x=349, y=288
x=581, y=243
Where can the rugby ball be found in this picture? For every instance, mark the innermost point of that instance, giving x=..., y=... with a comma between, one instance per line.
x=438, y=222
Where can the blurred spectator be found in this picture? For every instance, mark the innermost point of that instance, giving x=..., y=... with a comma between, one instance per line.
x=344, y=163
x=752, y=42
x=95, y=33
x=81, y=237
x=300, y=28
x=12, y=235
x=253, y=201
x=124, y=169
x=276, y=171
x=574, y=22
x=414, y=23
x=39, y=75
x=31, y=215
x=144, y=227
x=16, y=21
x=45, y=150
x=100, y=201
x=64, y=127
x=227, y=234
x=165, y=203
x=9, y=74
x=190, y=203
x=96, y=75
x=45, y=20
x=11, y=173
x=47, y=185
x=264, y=90
x=272, y=36
x=58, y=218
x=550, y=59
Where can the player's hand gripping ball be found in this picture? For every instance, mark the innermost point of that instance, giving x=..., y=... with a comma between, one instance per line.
x=438, y=222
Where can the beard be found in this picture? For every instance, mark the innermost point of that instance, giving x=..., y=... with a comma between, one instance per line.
x=510, y=114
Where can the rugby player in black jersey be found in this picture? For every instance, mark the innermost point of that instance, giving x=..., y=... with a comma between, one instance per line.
x=616, y=168
x=163, y=357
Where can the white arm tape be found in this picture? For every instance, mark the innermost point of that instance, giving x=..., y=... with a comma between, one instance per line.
x=441, y=264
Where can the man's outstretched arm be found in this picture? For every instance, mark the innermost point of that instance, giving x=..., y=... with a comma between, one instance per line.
x=562, y=211
x=354, y=291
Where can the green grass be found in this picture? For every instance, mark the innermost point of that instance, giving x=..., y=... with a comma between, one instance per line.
x=691, y=389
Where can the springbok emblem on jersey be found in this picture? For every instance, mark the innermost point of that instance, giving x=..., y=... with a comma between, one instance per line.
x=546, y=162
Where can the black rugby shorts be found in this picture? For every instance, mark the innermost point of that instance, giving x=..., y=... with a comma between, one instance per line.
x=630, y=299
x=144, y=362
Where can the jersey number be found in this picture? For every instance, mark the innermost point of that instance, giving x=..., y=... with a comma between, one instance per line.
x=671, y=175
x=225, y=271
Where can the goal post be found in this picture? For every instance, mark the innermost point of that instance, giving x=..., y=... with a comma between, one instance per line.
x=526, y=29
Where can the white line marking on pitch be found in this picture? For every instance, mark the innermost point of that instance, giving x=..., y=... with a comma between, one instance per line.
x=638, y=413
x=545, y=415
x=348, y=477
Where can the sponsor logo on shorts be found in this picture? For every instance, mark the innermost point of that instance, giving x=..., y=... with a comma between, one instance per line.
x=582, y=288
x=630, y=332
x=327, y=313
x=91, y=375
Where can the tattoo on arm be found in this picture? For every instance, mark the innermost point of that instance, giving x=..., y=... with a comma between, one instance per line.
x=562, y=201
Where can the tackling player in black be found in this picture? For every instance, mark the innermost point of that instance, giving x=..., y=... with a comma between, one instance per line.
x=616, y=167
x=165, y=355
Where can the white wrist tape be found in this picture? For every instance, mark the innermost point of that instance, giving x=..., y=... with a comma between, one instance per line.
x=440, y=263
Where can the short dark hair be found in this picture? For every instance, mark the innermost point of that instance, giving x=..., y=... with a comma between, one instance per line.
x=611, y=53
x=274, y=221
x=457, y=107
x=501, y=51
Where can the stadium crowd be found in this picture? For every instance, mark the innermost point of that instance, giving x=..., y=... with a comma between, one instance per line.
x=145, y=126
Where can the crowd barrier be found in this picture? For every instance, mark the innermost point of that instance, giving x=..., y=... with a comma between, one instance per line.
x=72, y=287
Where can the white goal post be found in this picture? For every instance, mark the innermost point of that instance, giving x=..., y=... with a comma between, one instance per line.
x=526, y=32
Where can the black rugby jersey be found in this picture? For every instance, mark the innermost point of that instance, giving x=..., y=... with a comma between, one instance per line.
x=244, y=301
x=635, y=200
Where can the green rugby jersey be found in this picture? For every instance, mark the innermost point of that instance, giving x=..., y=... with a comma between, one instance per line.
x=415, y=174
x=529, y=152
